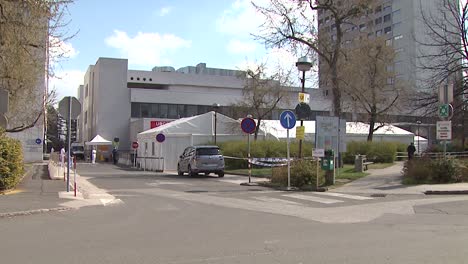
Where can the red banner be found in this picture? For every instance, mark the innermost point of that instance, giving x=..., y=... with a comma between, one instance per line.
x=154, y=124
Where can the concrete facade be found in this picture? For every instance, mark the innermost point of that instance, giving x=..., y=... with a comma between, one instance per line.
x=120, y=102
x=400, y=23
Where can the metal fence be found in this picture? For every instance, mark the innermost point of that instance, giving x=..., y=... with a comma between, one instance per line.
x=435, y=155
x=129, y=158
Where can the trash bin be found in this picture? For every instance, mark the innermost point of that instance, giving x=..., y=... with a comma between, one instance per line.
x=359, y=163
x=327, y=161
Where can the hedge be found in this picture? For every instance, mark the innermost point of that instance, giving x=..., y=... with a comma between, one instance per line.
x=11, y=162
x=303, y=172
x=426, y=170
x=375, y=151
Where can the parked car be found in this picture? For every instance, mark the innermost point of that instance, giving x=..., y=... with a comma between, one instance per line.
x=201, y=159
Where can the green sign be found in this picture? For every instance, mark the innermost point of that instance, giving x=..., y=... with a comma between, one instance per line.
x=444, y=110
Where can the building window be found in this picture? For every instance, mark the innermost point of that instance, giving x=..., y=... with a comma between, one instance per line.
x=86, y=91
x=163, y=110
x=396, y=15
x=146, y=148
x=387, y=18
x=378, y=21
x=398, y=37
x=388, y=42
x=155, y=110
x=378, y=9
x=145, y=110
x=378, y=33
x=387, y=7
x=172, y=111
x=388, y=30
x=181, y=111
x=192, y=110
x=390, y=81
x=362, y=27
x=396, y=26
x=135, y=110
x=327, y=19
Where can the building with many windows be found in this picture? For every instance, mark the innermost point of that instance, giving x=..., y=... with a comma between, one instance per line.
x=119, y=102
x=400, y=23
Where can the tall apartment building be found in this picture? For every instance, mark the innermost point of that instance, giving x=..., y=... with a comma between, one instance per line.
x=400, y=23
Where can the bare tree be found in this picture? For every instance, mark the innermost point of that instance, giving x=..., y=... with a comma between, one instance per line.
x=291, y=24
x=29, y=30
x=371, y=83
x=263, y=93
x=444, y=55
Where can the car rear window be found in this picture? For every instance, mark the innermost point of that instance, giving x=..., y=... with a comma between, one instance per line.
x=208, y=151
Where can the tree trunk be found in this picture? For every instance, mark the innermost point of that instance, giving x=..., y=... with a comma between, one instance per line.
x=257, y=128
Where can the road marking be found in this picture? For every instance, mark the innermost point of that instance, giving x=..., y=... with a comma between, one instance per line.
x=313, y=198
x=276, y=201
x=347, y=196
x=157, y=183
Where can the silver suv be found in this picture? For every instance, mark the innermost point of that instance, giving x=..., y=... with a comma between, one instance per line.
x=201, y=159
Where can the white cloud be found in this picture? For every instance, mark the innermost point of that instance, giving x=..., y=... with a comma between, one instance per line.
x=241, y=19
x=66, y=83
x=146, y=49
x=165, y=10
x=61, y=50
x=241, y=47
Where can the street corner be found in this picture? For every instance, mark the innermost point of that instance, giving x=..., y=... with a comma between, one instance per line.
x=11, y=192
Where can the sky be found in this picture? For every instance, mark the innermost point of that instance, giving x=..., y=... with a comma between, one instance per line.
x=153, y=33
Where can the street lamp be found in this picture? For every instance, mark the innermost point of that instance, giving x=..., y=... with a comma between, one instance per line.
x=215, y=107
x=419, y=137
x=303, y=64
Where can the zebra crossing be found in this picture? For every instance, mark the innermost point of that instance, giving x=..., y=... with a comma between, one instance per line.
x=316, y=197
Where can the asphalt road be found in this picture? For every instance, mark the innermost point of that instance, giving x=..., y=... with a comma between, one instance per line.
x=173, y=219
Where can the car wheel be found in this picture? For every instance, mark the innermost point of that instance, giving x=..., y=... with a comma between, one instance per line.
x=190, y=172
x=179, y=172
x=221, y=174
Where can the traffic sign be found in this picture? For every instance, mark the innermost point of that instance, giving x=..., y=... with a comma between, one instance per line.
x=302, y=111
x=444, y=130
x=300, y=132
x=304, y=98
x=38, y=141
x=444, y=110
x=288, y=119
x=160, y=137
x=135, y=145
x=248, y=125
x=318, y=153
x=64, y=107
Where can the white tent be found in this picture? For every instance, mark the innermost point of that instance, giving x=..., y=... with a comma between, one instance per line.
x=184, y=132
x=420, y=143
x=355, y=131
x=98, y=141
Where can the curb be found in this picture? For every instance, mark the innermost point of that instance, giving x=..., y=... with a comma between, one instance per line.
x=36, y=211
x=430, y=192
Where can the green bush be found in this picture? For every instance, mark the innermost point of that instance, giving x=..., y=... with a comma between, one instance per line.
x=303, y=173
x=426, y=170
x=375, y=151
x=260, y=149
x=11, y=162
x=417, y=171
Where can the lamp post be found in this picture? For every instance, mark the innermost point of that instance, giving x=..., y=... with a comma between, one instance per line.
x=303, y=64
x=419, y=137
x=215, y=107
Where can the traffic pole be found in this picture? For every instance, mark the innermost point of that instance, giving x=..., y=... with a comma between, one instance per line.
x=289, y=162
x=248, y=156
x=74, y=174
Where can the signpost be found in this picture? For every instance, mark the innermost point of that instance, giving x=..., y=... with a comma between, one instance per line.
x=134, y=146
x=318, y=153
x=444, y=130
x=248, y=125
x=70, y=108
x=288, y=121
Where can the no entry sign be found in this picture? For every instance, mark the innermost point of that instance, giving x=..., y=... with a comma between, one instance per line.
x=135, y=145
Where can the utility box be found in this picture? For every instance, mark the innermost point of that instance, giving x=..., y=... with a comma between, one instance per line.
x=328, y=163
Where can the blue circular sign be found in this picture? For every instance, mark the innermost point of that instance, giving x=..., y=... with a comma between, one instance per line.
x=288, y=119
x=160, y=138
x=248, y=125
x=38, y=141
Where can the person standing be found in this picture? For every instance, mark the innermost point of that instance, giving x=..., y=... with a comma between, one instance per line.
x=411, y=149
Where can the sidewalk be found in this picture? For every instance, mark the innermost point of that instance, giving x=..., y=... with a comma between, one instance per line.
x=388, y=181
x=36, y=193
